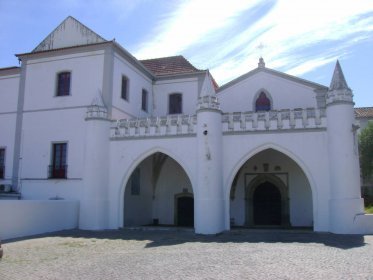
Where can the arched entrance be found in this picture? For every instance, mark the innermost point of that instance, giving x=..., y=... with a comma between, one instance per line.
x=154, y=192
x=270, y=189
x=267, y=205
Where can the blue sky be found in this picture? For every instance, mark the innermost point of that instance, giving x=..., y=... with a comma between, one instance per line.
x=302, y=38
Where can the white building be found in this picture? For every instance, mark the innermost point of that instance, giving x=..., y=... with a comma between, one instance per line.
x=156, y=141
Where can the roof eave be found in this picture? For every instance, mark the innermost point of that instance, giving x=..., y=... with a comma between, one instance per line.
x=316, y=86
x=134, y=60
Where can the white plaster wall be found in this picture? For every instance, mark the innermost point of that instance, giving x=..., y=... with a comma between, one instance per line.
x=307, y=149
x=188, y=87
x=29, y=217
x=40, y=130
x=300, y=194
x=41, y=80
x=286, y=94
x=137, y=82
x=9, y=86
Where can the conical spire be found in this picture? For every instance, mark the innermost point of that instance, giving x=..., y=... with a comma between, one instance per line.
x=339, y=91
x=338, y=80
x=207, y=87
x=207, y=98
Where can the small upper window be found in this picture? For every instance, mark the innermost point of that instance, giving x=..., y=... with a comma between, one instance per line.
x=175, y=103
x=262, y=103
x=124, y=89
x=63, y=84
x=144, y=100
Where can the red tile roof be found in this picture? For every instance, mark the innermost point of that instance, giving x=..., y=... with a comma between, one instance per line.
x=169, y=65
x=364, y=112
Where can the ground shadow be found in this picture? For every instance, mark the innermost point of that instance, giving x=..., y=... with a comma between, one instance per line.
x=157, y=237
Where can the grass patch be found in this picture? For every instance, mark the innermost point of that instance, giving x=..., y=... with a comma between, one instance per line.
x=369, y=209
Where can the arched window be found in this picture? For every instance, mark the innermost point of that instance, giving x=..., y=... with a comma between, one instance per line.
x=262, y=103
x=175, y=103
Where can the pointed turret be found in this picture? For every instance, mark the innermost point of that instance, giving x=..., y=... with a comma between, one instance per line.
x=207, y=98
x=345, y=198
x=338, y=90
x=209, y=203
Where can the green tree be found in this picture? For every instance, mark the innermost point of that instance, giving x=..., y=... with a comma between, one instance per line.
x=366, y=150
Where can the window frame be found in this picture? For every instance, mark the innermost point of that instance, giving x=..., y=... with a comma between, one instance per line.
x=58, y=83
x=52, y=167
x=126, y=98
x=256, y=97
x=144, y=101
x=178, y=94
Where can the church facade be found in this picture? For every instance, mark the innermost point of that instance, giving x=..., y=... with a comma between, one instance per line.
x=156, y=141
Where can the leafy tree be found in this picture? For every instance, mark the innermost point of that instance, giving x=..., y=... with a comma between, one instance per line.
x=366, y=150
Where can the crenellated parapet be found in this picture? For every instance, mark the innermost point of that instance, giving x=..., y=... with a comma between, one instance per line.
x=208, y=102
x=154, y=127
x=274, y=120
x=96, y=112
x=309, y=118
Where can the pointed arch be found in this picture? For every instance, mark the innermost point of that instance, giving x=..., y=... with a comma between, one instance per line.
x=232, y=174
x=136, y=163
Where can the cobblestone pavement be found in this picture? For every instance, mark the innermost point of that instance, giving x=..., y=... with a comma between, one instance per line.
x=171, y=254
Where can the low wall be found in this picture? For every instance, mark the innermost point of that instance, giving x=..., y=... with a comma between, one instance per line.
x=20, y=218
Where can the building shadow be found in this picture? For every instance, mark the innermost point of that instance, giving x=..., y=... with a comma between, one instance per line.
x=170, y=236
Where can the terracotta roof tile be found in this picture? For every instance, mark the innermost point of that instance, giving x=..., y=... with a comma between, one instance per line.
x=364, y=112
x=169, y=65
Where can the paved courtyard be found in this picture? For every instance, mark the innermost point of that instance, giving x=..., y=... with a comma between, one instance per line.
x=172, y=254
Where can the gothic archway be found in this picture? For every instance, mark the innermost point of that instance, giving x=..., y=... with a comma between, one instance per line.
x=270, y=166
x=149, y=195
x=267, y=201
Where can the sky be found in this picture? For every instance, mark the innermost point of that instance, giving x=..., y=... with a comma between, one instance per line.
x=301, y=38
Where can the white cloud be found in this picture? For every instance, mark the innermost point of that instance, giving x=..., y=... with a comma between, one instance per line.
x=191, y=22
x=299, y=36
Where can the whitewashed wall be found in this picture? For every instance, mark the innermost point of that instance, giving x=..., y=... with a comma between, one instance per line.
x=28, y=217
x=136, y=82
x=40, y=131
x=9, y=86
x=188, y=87
x=41, y=82
x=286, y=94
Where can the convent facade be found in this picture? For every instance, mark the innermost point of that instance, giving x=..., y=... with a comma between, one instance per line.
x=156, y=141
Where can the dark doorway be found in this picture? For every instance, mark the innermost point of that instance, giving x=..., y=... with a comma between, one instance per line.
x=185, y=211
x=267, y=205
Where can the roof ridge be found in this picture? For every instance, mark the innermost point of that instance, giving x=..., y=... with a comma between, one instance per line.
x=164, y=57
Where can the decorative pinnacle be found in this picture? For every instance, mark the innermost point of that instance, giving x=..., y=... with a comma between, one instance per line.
x=261, y=63
x=339, y=92
x=207, y=98
x=338, y=80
